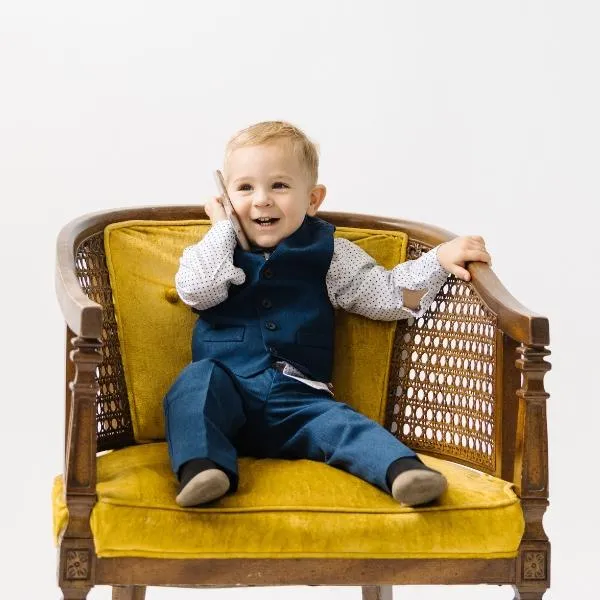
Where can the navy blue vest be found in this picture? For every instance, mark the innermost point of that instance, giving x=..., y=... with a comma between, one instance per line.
x=281, y=312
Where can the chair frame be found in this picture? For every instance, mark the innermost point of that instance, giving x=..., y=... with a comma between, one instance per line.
x=521, y=342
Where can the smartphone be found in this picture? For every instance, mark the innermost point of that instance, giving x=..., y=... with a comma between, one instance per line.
x=230, y=212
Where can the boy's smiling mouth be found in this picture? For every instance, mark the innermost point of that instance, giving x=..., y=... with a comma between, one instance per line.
x=265, y=221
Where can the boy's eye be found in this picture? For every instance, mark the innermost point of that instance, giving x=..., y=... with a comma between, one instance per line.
x=244, y=187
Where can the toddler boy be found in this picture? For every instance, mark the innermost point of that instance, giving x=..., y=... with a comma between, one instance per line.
x=259, y=380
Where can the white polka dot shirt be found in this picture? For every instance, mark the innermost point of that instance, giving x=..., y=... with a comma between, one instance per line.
x=355, y=282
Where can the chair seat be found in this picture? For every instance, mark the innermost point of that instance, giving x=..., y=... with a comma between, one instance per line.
x=295, y=509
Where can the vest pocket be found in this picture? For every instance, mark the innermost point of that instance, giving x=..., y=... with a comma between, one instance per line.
x=225, y=334
x=313, y=338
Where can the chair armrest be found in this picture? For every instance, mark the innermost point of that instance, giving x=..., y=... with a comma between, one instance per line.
x=83, y=316
x=520, y=323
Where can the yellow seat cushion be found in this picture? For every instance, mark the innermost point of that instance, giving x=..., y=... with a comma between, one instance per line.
x=155, y=327
x=300, y=508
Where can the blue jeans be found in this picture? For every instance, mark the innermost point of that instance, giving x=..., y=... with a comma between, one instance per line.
x=212, y=413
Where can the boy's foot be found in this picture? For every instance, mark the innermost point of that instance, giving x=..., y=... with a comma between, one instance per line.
x=201, y=482
x=415, y=483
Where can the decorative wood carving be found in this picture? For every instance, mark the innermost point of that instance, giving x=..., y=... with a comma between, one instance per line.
x=77, y=564
x=534, y=565
x=415, y=249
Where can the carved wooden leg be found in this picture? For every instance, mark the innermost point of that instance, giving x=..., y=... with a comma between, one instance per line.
x=128, y=592
x=533, y=571
x=527, y=595
x=377, y=592
x=74, y=593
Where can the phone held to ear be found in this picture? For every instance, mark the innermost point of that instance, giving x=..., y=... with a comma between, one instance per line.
x=230, y=212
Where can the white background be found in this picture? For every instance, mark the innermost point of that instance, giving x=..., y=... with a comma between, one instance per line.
x=477, y=116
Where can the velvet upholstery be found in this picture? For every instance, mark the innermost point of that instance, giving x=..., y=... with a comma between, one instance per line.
x=155, y=327
x=299, y=508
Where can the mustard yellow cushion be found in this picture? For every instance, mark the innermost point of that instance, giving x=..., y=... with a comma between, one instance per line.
x=155, y=327
x=286, y=508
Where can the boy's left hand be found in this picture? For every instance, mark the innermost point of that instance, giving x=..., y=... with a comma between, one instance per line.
x=453, y=254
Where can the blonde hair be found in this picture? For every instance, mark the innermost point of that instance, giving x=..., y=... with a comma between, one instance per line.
x=270, y=131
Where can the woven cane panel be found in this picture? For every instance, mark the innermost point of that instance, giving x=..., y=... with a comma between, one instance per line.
x=442, y=389
x=112, y=407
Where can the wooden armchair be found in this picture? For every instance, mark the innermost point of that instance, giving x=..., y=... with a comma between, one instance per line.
x=464, y=388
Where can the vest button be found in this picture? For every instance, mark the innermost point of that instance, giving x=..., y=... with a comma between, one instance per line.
x=267, y=273
x=270, y=326
x=266, y=303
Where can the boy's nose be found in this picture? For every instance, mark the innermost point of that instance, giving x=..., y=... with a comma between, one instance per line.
x=262, y=198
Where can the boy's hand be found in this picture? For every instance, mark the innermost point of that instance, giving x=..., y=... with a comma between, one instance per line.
x=215, y=210
x=453, y=254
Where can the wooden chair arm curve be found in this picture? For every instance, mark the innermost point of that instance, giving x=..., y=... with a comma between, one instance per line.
x=83, y=316
x=520, y=323
x=516, y=320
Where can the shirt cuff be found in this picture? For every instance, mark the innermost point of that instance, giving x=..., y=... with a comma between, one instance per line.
x=433, y=264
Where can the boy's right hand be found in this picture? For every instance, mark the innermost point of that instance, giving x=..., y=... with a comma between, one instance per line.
x=215, y=210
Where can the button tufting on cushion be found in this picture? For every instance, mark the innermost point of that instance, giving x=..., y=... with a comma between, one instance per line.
x=172, y=296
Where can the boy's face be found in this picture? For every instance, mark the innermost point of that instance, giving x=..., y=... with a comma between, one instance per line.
x=270, y=191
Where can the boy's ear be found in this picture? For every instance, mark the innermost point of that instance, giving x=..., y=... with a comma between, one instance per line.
x=317, y=196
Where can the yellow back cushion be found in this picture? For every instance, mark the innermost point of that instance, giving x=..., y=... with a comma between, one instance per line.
x=155, y=326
